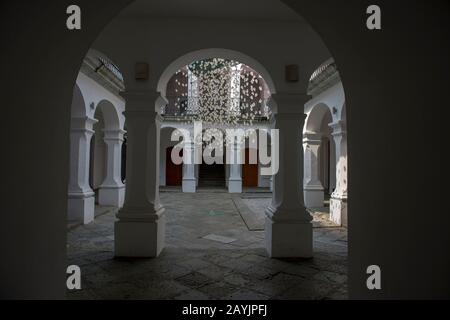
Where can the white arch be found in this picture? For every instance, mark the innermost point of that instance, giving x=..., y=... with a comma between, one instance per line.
x=166, y=135
x=96, y=95
x=315, y=116
x=110, y=114
x=213, y=53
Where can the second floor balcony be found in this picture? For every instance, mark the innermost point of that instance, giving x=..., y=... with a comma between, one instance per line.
x=222, y=110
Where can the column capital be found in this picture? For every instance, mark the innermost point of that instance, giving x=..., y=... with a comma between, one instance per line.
x=312, y=138
x=289, y=103
x=113, y=134
x=339, y=128
x=237, y=145
x=82, y=124
x=188, y=144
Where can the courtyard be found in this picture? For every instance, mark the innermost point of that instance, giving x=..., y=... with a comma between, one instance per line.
x=214, y=250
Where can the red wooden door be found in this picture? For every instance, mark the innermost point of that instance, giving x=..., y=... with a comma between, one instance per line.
x=174, y=172
x=249, y=172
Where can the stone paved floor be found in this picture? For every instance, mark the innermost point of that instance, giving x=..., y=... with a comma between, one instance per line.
x=192, y=267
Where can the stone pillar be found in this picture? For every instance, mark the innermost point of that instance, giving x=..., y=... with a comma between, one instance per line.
x=313, y=189
x=338, y=200
x=81, y=200
x=235, y=179
x=112, y=190
x=288, y=224
x=189, y=181
x=140, y=230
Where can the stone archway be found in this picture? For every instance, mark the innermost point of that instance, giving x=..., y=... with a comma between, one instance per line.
x=316, y=145
x=96, y=138
x=81, y=198
x=203, y=54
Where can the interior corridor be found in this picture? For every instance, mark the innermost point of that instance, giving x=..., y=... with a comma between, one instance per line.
x=214, y=250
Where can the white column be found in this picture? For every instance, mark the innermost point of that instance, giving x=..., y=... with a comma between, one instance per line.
x=112, y=190
x=227, y=174
x=139, y=232
x=332, y=166
x=235, y=178
x=189, y=183
x=81, y=200
x=288, y=224
x=313, y=189
x=338, y=200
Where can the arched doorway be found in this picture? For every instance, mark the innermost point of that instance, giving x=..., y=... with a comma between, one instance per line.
x=249, y=170
x=170, y=173
x=319, y=169
x=174, y=172
x=97, y=137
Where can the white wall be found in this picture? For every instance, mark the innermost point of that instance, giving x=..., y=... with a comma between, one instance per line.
x=332, y=97
x=93, y=94
x=161, y=41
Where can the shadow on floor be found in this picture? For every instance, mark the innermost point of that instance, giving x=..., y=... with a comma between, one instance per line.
x=207, y=256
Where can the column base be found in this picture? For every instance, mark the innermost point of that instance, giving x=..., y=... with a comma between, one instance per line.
x=338, y=211
x=288, y=239
x=313, y=197
x=189, y=185
x=235, y=186
x=111, y=196
x=140, y=238
x=81, y=208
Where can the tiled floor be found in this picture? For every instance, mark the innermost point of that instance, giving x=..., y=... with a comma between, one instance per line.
x=210, y=254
